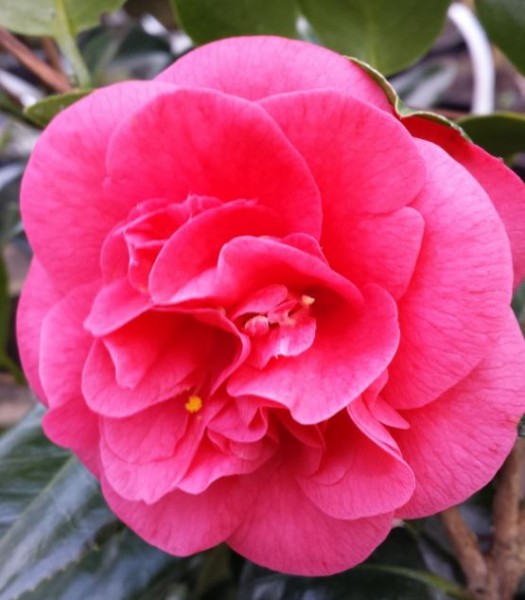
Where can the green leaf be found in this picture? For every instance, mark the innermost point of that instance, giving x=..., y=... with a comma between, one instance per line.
x=502, y=134
x=45, y=110
x=504, y=21
x=388, y=35
x=30, y=17
x=57, y=529
x=121, y=567
x=429, y=579
x=5, y=324
x=58, y=539
x=401, y=109
x=27, y=462
x=206, y=20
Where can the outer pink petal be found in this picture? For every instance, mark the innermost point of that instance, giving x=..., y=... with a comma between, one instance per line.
x=38, y=296
x=62, y=187
x=357, y=477
x=211, y=144
x=363, y=160
x=351, y=349
x=74, y=426
x=285, y=531
x=181, y=523
x=460, y=290
x=65, y=345
x=382, y=249
x=456, y=444
x=260, y=66
x=505, y=188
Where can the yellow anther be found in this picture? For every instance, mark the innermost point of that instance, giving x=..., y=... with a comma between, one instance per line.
x=307, y=300
x=194, y=404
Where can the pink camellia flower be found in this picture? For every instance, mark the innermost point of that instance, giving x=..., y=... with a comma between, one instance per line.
x=267, y=311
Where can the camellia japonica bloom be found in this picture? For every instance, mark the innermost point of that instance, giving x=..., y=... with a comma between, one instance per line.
x=265, y=310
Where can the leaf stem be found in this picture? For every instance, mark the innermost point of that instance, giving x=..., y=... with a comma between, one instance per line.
x=66, y=40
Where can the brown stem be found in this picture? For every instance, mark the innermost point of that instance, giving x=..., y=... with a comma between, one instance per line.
x=478, y=571
x=507, y=550
x=43, y=71
x=52, y=53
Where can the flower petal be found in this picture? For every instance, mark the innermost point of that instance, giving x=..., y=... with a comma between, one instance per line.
x=196, y=245
x=64, y=346
x=368, y=162
x=38, y=296
x=62, y=189
x=210, y=144
x=181, y=523
x=353, y=465
x=285, y=531
x=505, y=188
x=246, y=67
x=457, y=443
x=116, y=304
x=351, y=349
x=74, y=426
x=150, y=480
x=460, y=291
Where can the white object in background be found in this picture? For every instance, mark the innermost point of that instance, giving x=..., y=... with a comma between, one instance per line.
x=480, y=55
x=27, y=94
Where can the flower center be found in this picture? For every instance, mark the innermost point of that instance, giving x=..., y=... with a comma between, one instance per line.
x=290, y=313
x=194, y=404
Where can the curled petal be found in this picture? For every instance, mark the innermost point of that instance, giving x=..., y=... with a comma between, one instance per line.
x=351, y=349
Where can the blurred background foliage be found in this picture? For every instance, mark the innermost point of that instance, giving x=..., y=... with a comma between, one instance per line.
x=58, y=540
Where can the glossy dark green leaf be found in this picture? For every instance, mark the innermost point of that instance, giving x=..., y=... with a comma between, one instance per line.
x=118, y=569
x=45, y=110
x=504, y=21
x=126, y=53
x=501, y=134
x=27, y=462
x=59, y=540
x=55, y=530
x=388, y=35
x=30, y=17
x=206, y=20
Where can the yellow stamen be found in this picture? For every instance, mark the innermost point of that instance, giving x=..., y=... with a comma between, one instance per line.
x=194, y=404
x=307, y=300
